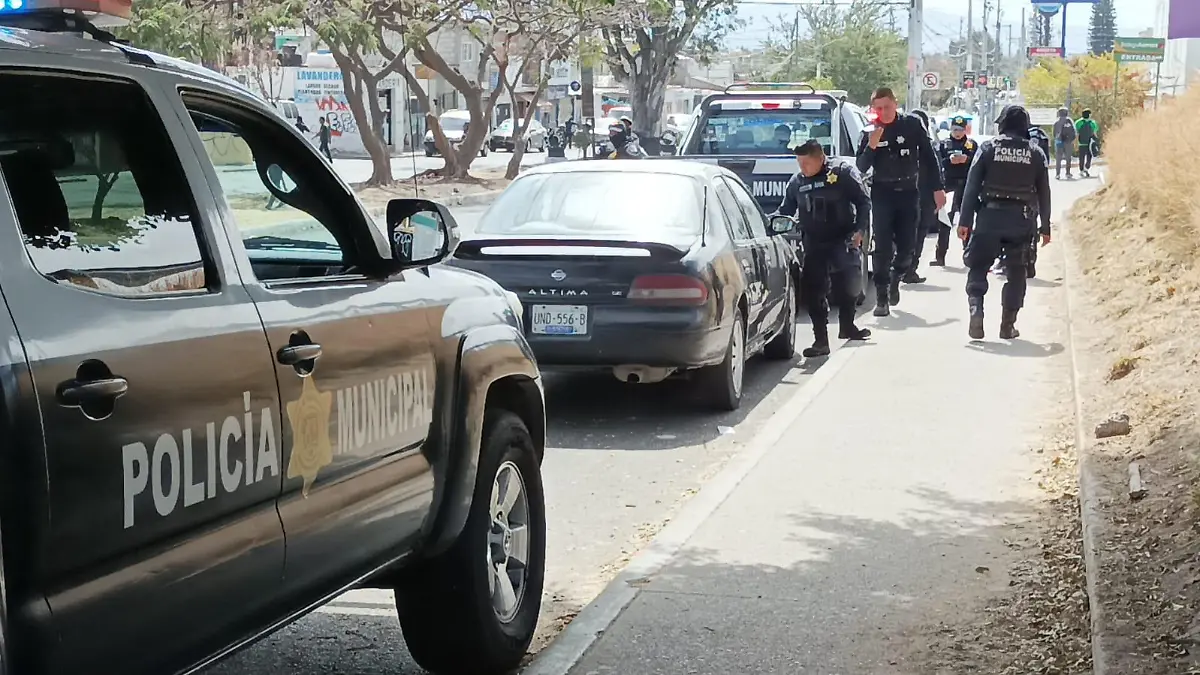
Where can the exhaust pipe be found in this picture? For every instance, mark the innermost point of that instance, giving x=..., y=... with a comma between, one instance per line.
x=637, y=374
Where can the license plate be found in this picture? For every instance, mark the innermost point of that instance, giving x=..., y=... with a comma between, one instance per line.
x=558, y=319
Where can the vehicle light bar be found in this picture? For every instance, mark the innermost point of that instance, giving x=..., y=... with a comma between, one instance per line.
x=770, y=86
x=120, y=10
x=669, y=289
x=773, y=104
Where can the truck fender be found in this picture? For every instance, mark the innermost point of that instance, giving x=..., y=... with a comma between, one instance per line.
x=495, y=367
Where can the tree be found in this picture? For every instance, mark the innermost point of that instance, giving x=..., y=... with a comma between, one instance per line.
x=1089, y=81
x=526, y=36
x=1102, y=28
x=851, y=48
x=644, y=54
x=1040, y=29
x=194, y=30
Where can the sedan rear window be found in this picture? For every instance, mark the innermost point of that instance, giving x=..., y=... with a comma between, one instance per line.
x=597, y=203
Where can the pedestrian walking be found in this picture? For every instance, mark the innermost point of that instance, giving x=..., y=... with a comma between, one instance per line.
x=570, y=128
x=1064, y=143
x=832, y=208
x=1007, y=186
x=895, y=149
x=324, y=138
x=956, y=154
x=927, y=220
x=1088, y=132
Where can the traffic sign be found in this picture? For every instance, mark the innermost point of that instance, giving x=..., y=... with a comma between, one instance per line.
x=1045, y=52
x=968, y=79
x=575, y=87
x=1139, y=49
x=931, y=80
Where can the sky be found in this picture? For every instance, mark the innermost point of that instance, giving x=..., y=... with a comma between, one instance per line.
x=942, y=21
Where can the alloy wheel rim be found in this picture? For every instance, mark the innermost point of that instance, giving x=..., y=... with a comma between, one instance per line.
x=736, y=353
x=508, y=542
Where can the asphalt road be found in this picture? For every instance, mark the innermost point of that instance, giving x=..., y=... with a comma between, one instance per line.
x=620, y=461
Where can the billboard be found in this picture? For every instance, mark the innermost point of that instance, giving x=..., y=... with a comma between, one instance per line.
x=1045, y=52
x=1183, y=21
x=1139, y=49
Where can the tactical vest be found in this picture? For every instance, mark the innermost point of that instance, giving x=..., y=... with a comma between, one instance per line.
x=825, y=212
x=1012, y=173
x=896, y=156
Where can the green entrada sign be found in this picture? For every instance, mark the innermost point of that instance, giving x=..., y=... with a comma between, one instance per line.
x=1139, y=49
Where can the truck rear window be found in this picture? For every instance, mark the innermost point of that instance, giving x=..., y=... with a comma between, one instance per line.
x=759, y=131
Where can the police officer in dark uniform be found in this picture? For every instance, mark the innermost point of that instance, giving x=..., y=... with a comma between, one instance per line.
x=1008, y=184
x=833, y=210
x=927, y=220
x=956, y=153
x=621, y=145
x=895, y=149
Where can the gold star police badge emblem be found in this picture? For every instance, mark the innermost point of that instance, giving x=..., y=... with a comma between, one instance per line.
x=831, y=177
x=969, y=145
x=311, y=449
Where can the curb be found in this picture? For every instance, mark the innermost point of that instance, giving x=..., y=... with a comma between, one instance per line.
x=568, y=647
x=473, y=199
x=1091, y=491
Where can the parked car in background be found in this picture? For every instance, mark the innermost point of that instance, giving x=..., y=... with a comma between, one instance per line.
x=454, y=124
x=645, y=269
x=502, y=137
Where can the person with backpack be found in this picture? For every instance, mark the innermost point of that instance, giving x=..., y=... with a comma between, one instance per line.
x=1064, y=140
x=1088, y=132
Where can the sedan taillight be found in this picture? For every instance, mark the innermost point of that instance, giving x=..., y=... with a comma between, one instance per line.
x=669, y=289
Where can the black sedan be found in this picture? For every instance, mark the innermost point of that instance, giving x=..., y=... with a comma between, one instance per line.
x=649, y=268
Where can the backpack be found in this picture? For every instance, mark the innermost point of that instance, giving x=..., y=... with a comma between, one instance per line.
x=1066, y=133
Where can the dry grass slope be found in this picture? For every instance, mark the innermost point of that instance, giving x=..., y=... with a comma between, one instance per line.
x=1137, y=242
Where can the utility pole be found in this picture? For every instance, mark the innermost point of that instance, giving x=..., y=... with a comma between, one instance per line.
x=915, y=28
x=1023, y=55
x=970, y=35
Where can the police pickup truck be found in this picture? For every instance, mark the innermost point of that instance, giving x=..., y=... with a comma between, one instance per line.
x=750, y=129
x=225, y=395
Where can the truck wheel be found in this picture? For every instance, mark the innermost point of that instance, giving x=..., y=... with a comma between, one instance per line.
x=783, y=346
x=722, y=384
x=473, y=610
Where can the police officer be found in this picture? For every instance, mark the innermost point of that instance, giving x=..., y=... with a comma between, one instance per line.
x=956, y=154
x=895, y=149
x=1008, y=183
x=620, y=145
x=927, y=221
x=833, y=210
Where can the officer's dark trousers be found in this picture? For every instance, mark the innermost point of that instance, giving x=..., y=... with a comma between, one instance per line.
x=927, y=223
x=831, y=271
x=1000, y=231
x=894, y=216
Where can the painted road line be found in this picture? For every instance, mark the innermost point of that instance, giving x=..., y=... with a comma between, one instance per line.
x=569, y=646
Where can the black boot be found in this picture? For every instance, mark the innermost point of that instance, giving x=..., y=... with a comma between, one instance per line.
x=1008, y=325
x=852, y=332
x=939, y=259
x=894, y=293
x=911, y=277
x=820, y=346
x=975, y=328
x=881, y=302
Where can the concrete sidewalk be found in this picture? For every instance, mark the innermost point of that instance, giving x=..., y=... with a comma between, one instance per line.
x=876, y=501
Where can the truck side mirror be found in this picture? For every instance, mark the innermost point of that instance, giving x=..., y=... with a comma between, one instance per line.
x=420, y=232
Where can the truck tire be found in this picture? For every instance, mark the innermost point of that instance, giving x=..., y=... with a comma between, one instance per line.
x=723, y=383
x=455, y=618
x=783, y=346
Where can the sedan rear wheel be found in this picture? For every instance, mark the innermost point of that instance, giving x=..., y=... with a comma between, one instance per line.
x=722, y=384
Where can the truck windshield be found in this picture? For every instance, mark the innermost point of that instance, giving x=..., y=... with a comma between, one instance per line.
x=761, y=131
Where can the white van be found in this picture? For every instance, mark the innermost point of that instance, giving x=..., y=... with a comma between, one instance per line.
x=454, y=125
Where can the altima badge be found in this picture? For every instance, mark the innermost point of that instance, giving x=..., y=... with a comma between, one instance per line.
x=558, y=275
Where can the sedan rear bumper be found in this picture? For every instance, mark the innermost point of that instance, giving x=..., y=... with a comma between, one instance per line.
x=664, y=338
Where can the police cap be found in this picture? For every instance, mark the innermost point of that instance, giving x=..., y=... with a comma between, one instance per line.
x=958, y=122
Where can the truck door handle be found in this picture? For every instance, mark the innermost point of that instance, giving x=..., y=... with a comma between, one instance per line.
x=76, y=392
x=296, y=354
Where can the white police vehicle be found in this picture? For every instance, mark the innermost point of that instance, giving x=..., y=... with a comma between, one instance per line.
x=751, y=128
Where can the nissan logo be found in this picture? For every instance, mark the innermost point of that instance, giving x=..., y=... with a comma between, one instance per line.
x=558, y=275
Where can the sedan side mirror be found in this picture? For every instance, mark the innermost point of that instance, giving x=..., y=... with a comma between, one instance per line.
x=782, y=224
x=421, y=232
